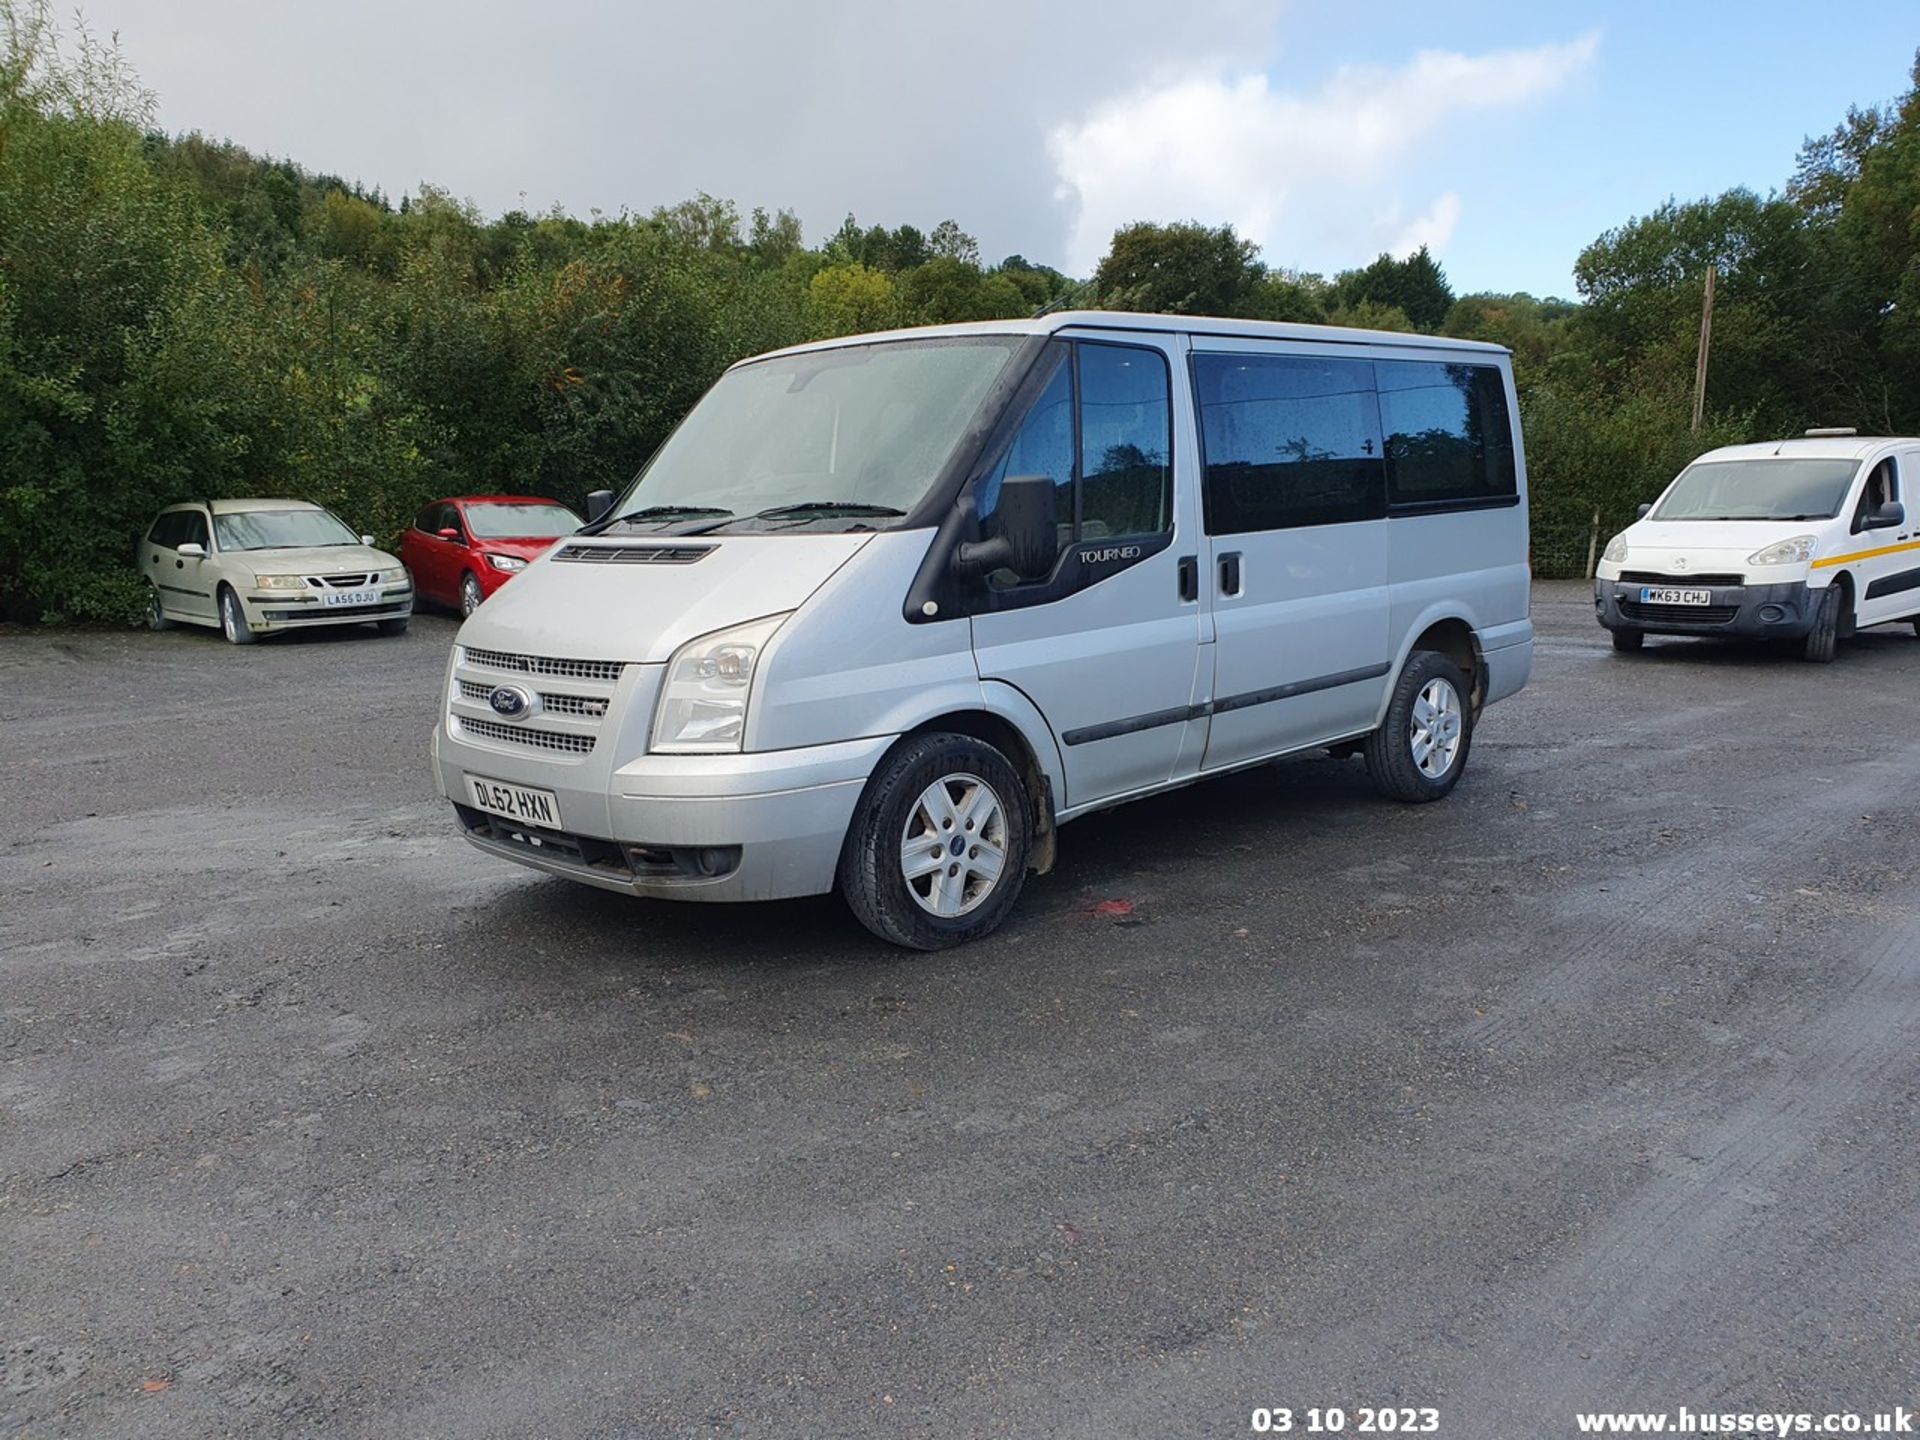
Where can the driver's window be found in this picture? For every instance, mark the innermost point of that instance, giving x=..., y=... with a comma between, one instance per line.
x=1043, y=446
x=1882, y=486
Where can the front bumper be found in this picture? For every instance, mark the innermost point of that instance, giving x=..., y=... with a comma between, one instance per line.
x=763, y=826
x=270, y=611
x=1753, y=612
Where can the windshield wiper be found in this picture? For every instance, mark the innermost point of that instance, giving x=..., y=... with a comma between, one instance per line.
x=667, y=512
x=826, y=507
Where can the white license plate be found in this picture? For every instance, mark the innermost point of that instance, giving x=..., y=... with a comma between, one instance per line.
x=349, y=597
x=516, y=802
x=1655, y=595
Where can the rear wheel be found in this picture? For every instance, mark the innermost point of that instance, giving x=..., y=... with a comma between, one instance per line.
x=1819, y=645
x=233, y=619
x=1627, y=641
x=1421, y=747
x=157, y=616
x=937, y=851
x=470, y=596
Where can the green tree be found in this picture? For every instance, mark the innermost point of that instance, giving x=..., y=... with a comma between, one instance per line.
x=1180, y=269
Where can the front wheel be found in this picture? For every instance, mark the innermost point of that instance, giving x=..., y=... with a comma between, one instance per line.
x=1825, y=634
x=396, y=626
x=470, y=596
x=937, y=851
x=233, y=619
x=1627, y=641
x=156, y=615
x=1421, y=747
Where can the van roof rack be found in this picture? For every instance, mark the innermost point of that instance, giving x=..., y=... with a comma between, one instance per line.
x=1830, y=432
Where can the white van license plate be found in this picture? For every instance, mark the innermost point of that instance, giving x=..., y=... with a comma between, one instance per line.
x=349, y=597
x=1651, y=595
x=516, y=802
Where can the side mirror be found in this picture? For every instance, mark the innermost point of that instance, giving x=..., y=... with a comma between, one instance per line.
x=366, y=540
x=1643, y=512
x=1026, y=540
x=1887, y=516
x=599, y=502
x=192, y=550
x=448, y=533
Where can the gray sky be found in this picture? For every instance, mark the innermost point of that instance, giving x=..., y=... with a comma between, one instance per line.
x=901, y=113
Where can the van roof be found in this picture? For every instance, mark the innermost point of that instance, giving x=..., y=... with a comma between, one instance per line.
x=1823, y=447
x=1162, y=324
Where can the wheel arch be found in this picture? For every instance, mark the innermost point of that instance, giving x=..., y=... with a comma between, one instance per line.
x=1012, y=738
x=1448, y=633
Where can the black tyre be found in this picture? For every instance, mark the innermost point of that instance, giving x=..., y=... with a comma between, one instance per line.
x=395, y=626
x=937, y=851
x=233, y=619
x=1421, y=747
x=156, y=617
x=1627, y=641
x=1819, y=645
x=470, y=596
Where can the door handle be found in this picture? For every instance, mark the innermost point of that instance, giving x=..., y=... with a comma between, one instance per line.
x=1189, y=571
x=1230, y=573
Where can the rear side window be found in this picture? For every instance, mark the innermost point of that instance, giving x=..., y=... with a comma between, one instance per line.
x=1449, y=436
x=1289, y=440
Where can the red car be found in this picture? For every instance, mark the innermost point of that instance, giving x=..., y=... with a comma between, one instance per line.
x=460, y=551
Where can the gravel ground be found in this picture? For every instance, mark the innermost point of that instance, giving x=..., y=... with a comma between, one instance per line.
x=1595, y=1086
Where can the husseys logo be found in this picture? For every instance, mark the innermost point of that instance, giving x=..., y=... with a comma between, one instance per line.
x=1100, y=554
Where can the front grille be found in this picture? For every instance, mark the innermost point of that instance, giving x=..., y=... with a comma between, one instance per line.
x=590, y=707
x=525, y=735
x=632, y=554
x=1686, y=614
x=1697, y=582
x=542, y=665
x=342, y=582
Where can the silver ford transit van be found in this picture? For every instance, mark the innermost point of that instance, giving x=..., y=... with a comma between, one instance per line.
x=884, y=612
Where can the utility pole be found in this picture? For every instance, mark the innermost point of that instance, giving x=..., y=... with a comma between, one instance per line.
x=1700, y=364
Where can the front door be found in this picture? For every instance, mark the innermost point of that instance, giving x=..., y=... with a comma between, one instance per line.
x=1108, y=648
x=1887, y=580
x=1295, y=501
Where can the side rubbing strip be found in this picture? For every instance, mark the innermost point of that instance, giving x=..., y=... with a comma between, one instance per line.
x=1182, y=713
x=1894, y=584
x=1299, y=687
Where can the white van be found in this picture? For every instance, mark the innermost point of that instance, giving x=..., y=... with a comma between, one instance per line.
x=884, y=612
x=1804, y=540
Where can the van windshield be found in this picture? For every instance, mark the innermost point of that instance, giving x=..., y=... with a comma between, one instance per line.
x=846, y=438
x=1766, y=489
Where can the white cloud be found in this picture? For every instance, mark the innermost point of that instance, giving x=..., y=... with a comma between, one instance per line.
x=1300, y=174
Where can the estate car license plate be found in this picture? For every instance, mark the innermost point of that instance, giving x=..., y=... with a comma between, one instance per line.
x=349, y=597
x=516, y=802
x=1666, y=595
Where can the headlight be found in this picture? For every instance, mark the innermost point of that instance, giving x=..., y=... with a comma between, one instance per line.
x=280, y=582
x=1796, y=551
x=1616, y=550
x=703, y=705
x=506, y=562
x=392, y=577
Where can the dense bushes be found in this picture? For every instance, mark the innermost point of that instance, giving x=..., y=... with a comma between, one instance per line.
x=179, y=318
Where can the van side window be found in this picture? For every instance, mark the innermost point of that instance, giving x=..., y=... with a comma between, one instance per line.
x=1043, y=446
x=1123, y=444
x=1288, y=440
x=1126, y=442
x=1448, y=434
x=1881, y=487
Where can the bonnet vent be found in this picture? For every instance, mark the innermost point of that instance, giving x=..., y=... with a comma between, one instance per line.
x=632, y=554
